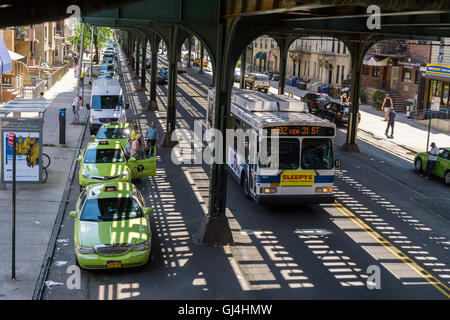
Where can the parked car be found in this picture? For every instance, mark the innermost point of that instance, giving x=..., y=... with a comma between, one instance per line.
x=315, y=101
x=182, y=66
x=335, y=111
x=257, y=81
x=237, y=75
x=162, y=76
x=442, y=167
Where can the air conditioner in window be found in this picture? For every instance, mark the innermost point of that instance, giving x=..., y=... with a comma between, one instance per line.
x=440, y=57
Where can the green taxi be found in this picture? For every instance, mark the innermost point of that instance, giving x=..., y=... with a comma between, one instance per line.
x=114, y=132
x=106, y=161
x=112, y=228
x=442, y=167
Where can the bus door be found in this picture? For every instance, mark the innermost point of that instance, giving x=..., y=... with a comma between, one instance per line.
x=253, y=150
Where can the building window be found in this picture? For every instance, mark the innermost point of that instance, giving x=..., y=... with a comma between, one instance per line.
x=45, y=33
x=271, y=44
x=343, y=73
x=339, y=47
x=376, y=71
x=345, y=49
x=332, y=46
x=337, y=74
x=406, y=75
x=416, y=76
x=265, y=44
x=261, y=43
x=256, y=44
x=365, y=69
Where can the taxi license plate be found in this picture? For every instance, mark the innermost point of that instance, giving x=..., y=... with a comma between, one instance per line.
x=114, y=264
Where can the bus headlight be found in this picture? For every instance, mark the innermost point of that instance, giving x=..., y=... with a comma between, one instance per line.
x=324, y=189
x=267, y=190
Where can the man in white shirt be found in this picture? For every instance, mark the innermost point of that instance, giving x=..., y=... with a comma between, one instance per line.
x=432, y=158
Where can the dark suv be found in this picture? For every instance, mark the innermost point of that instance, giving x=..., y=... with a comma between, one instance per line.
x=162, y=76
x=335, y=111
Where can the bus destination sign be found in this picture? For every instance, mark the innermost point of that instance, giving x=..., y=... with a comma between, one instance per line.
x=302, y=131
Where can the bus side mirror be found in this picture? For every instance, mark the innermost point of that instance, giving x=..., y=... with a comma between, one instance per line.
x=337, y=163
x=88, y=106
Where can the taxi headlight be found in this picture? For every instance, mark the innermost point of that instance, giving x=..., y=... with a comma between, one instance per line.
x=124, y=174
x=141, y=246
x=84, y=250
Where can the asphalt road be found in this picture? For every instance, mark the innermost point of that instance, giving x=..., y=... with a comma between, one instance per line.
x=387, y=218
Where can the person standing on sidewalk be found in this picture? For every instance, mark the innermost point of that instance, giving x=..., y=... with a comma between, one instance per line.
x=432, y=158
x=386, y=106
x=391, y=122
x=152, y=136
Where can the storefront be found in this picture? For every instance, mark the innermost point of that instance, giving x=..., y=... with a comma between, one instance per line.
x=437, y=87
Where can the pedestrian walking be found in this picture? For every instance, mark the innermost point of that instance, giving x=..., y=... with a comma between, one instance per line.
x=386, y=106
x=76, y=104
x=128, y=147
x=432, y=158
x=391, y=122
x=152, y=136
x=136, y=148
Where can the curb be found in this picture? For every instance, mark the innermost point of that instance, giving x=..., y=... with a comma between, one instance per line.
x=400, y=145
x=39, y=288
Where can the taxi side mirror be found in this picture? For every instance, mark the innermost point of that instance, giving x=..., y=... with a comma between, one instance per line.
x=79, y=159
x=337, y=163
x=73, y=214
x=148, y=211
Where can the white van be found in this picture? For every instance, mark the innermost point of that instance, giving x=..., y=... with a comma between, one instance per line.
x=107, y=104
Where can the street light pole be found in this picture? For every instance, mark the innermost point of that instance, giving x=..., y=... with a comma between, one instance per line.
x=91, y=53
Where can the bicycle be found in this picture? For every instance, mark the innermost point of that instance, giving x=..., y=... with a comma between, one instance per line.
x=45, y=163
x=45, y=160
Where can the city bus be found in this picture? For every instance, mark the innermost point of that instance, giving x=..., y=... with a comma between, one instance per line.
x=278, y=125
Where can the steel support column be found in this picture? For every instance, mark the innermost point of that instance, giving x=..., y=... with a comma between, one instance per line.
x=154, y=46
x=215, y=229
x=284, y=48
x=357, y=52
x=136, y=68
x=202, y=52
x=143, y=62
x=172, y=55
x=189, y=52
x=242, y=79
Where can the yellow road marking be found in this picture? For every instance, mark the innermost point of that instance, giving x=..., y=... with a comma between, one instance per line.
x=394, y=250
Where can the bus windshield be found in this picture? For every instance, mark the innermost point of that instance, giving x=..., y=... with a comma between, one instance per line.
x=289, y=153
x=106, y=102
x=317, y=154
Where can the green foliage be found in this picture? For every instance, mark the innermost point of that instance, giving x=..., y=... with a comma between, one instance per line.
x=378, y=97
x=101, y=34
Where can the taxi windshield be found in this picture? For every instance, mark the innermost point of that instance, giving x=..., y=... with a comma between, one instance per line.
x=111, y=209
x=113, y=133
x=104, y=156
x=106, y=102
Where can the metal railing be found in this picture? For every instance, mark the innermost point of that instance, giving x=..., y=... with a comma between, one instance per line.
x=431, y=114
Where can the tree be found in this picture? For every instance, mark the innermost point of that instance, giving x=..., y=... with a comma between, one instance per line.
x=101, y=38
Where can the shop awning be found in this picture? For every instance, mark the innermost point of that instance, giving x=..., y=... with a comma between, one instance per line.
x=5, y=60
x=376, y=61
x=412, y=62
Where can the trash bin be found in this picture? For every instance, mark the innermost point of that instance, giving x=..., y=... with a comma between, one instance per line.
x=293, y=81
x=302, y=85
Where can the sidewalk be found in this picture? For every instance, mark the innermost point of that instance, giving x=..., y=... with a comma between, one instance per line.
x=37, y=206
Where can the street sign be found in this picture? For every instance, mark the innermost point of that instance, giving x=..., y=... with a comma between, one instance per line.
x=27, y=133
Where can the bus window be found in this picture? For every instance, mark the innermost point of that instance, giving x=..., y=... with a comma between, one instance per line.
x=289, y=153
x=317, y=154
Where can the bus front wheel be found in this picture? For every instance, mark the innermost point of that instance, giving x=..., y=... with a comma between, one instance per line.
x=245, y=185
